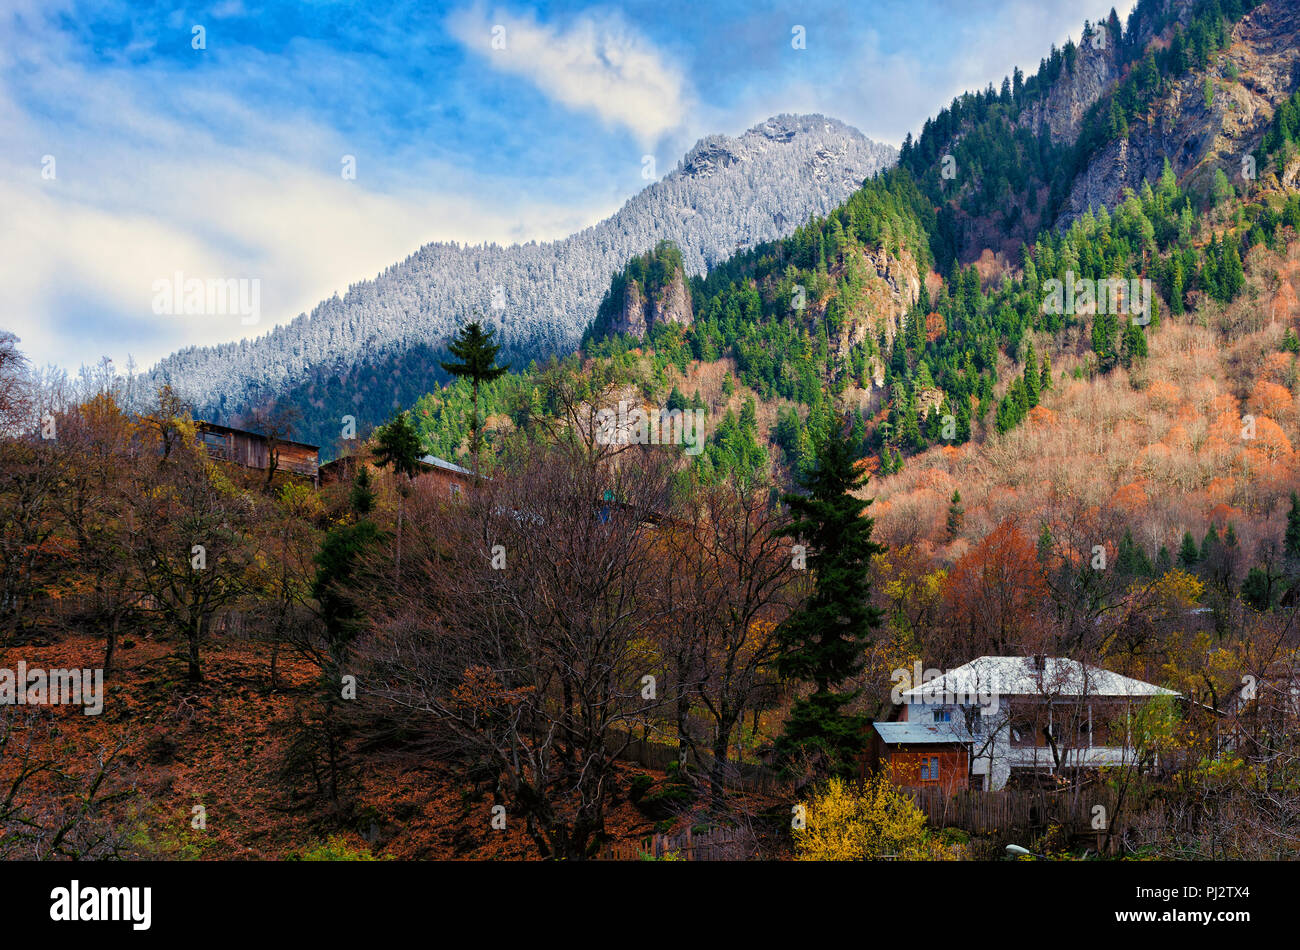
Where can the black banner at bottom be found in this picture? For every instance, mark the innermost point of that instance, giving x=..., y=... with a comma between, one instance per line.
x=300, y=899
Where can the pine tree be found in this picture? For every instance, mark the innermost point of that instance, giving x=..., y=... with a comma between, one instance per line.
x=822, y=643
x=1164, y=561
x=1291, y=540
x=1188, y=554
x=1032, y=378
x=956, y=516
x=362, y=497
x=477, y=354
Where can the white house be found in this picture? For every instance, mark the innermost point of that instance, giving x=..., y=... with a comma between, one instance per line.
x=1017, y=717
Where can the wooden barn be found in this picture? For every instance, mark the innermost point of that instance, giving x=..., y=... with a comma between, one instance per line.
x=253, y=450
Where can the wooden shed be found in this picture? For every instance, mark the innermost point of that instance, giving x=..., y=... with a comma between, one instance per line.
x=922, y=755
x=254, y=450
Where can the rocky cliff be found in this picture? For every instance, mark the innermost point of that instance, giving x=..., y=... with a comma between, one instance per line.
x=1195, y=132
x=647, y=307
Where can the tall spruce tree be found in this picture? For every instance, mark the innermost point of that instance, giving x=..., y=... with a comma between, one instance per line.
x=956, y=515
x=477, y=354
x=1291, y=540
x=822, y=643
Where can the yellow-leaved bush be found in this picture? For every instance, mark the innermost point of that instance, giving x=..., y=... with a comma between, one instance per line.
x=873, y=821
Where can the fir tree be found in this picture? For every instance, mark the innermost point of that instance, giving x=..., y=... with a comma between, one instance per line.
x=1105, y=328
x=1257, y=588
x=1164, y=561
x=1188, y=554
x=956, y=515
x=397, y=445
x=1032, y=378
x=1130, y=559
x=822, y=642
x=1291, y=540
x=1133, y=349
x=477, y=356
x=1210, y=543
x=362, y=497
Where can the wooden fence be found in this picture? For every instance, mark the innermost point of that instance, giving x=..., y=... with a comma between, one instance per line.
x=717, y=844
x=1013, y=810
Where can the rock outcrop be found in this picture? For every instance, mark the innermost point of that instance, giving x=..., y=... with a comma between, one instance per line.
x=644, y=308
x=1074, y=93
x=1197, y=136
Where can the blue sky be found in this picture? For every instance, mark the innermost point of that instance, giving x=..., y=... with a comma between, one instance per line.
x=226, y=161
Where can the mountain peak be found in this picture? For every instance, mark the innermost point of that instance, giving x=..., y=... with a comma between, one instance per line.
x=380, y=342
x=715, y=152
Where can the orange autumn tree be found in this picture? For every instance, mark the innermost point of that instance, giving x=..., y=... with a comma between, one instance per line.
x=993, y=593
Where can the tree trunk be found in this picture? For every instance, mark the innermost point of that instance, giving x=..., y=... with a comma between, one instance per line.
x=195, y=671
x=721, y=743
x=110, y=646
x=401, y=509
x=474, y=437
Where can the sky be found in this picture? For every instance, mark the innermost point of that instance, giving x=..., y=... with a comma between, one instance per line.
x=307, y=146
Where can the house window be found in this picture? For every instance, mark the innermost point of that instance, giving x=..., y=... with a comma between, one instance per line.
x=455, y=490
x=929, y=768
x=943, y=715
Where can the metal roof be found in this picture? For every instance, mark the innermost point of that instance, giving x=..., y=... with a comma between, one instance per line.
x=918, y=733
x=443, y=463
x=1022, y=676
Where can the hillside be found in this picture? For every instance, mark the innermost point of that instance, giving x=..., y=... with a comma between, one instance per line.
x=378, y=345
x=1080, y=424
x=954, y=367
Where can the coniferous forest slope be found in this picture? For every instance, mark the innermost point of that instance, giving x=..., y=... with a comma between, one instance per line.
x=378, y=346
x=892, y=307
x=1031, y=391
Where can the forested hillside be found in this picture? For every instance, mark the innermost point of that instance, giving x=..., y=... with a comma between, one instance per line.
x=379, y=344
x=939, y=351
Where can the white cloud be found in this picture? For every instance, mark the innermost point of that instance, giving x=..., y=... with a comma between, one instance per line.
x=146, y=187
x=597, y=63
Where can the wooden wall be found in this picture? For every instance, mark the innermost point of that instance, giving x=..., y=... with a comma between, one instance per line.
x=905, y=765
